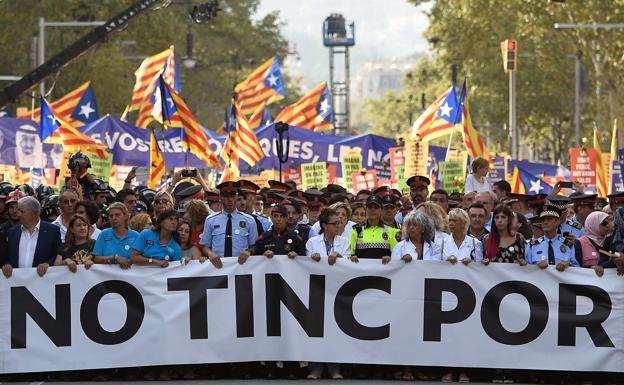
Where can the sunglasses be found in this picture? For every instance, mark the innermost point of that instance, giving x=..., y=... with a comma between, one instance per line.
x=161, y=201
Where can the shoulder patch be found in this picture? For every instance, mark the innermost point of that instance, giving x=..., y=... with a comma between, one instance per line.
x=536, y=241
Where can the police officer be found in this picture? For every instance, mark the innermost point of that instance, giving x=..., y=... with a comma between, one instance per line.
x=567, y=227
x=373, y=239
x=248, y=191
x=279, y=240
x=616, y=200
x=584, y=204
x=552, y=248
x=390, y=208
x=228, y=233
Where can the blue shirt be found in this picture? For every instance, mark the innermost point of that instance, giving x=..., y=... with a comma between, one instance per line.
x=244, y=232
x=266, y=222
x=148, y=244
x=109, y=243
x=537, y=250
x=572, y=227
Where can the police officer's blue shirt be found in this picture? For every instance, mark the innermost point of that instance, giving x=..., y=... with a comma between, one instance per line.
x=537, y=250
x=109, y=243
x=266, y=222
x=148, y=244
x=244, y=232
x=573, y=227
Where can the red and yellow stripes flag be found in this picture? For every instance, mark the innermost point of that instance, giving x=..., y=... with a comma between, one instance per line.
x=147, y=77
x=64, y=107
x=74, y=140
x=242, y=143
x=255, y=120
x=157, y=163
x=472, y=139
x=432, y=123
x=601, y=173
x=517, y=187
x=195, y=139
x=313, y=111
x=614, y=155
x=263, y=86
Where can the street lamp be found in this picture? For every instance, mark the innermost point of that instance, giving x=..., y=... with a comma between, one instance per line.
x=189, y=61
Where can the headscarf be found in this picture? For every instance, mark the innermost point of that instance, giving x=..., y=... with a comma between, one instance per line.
x=592, y=226
x=617, y=245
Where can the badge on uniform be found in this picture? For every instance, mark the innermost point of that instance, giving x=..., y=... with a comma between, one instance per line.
x=166, y=257
x=287, y=247
x=216, y=226
x=149, y=242
x=385, y=236
x=242, y=224
x=289, y=240
x=562, y=248
x=237, y=231
x=127, y=247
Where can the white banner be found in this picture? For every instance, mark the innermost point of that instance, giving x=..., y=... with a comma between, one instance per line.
x=423, y=313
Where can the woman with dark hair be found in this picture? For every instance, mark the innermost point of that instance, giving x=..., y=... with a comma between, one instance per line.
x=91, y=211
x=329, y=243
x=614, y=244
x=158, y=246
x=522, y=225
x=503, y=244
x=189, y=251
x=78, y=246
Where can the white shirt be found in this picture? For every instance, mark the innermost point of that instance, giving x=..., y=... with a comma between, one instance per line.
x=316, y=227
x=470, y=248
x=27, y=246
x=473, y=185
x=431, y=251
x=317, y=244
x=59, y=222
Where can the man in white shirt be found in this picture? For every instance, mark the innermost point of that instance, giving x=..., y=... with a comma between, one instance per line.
x=32, y=244
x=67, y=205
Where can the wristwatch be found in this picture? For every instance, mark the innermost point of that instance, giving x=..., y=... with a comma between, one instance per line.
x=150, y=260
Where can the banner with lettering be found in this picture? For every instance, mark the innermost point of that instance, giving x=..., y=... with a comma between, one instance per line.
x=301, y=310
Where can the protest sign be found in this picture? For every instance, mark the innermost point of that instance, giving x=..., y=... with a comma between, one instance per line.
x=364, y=180
x=314, y=175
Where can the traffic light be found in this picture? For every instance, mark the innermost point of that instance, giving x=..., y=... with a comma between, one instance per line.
x=509, y=50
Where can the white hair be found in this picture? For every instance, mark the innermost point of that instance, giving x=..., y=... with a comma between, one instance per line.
x=31, y=204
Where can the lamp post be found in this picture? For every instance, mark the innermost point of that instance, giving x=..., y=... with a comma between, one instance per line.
x=282, y=153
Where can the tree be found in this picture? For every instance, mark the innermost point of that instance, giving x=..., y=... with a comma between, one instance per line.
x=228, y=48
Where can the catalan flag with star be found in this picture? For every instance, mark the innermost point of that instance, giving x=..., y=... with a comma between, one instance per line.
x=523, y=182
x=313, y=111
x=175, y=113
x=78, y=107
x=472, y=140
x=71, y=138
x=241, y=143
x=262, y=86
x=147, y=78
x=438, y=119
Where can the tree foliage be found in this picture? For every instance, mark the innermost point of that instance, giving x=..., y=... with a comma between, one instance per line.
x=228, y=48
x=468, y=33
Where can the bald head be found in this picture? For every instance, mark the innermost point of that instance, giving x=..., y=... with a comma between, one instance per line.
x=487, y=199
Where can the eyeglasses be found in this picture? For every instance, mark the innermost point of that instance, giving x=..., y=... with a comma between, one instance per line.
x=605, y=222
x=161, y=201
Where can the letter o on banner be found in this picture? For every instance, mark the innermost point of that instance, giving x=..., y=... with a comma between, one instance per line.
x=538, y=313
x=135, y=310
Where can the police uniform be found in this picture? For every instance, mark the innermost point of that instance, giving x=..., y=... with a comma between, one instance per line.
x=279, y=243
x=561, y=203
x=554, y=250
x=248, y=187
x=303, y=230
x=228, y=234
x=572, y=227
x=373, y=241
x=616, y=200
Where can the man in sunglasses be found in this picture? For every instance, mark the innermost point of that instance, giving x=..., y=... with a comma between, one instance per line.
x=67, y=205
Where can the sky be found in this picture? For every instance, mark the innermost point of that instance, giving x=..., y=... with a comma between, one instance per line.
x=384, y=29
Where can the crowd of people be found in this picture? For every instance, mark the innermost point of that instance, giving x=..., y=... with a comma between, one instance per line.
x=89, y=223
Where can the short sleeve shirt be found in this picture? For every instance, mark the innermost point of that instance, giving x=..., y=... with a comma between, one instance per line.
x=109, y=243
x=148, y=244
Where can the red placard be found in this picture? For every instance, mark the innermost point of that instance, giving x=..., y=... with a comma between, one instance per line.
x=293, y=174
x=397, y=158
x=583, y=166
x=367, y=181
x=331, y=171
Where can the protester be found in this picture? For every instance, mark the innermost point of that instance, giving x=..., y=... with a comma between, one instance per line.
x=128, y=198
x=67, y=205
x=614, y=244
x=162, y=201
x=33, y=244
x=439, y=218
x=196, y=213
x=189, y=251
x=345, y=225
x=502, y=190
x=468, y=199
x=478, y=180
x=330, y=243
x=598, y=226
x=460, y=246
x=358, y=213
x=418, y=239
x=91, y=211
x=503, y=244
x=488, y=200
x=158, y=246
x=279, y=239
x=477, y=213
x=441, y=198
x=114, y=244
x=140, y=222
x=78, y=246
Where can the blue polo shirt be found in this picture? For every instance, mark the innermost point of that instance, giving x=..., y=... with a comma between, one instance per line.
x=148, y=244
x=109, y=243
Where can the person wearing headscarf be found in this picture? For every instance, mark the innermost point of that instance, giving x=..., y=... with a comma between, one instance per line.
x=598, y=226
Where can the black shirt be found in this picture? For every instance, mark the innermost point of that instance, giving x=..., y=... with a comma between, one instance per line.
x=279, y=243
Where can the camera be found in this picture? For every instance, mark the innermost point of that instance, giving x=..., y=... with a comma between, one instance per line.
x=189, y=173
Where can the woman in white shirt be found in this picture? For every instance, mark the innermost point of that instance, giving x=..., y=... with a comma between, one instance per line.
x=439, y=219
x=343, y=210
x=460, y=246
x=328, y=244
x=418, y=234
x=478, y=180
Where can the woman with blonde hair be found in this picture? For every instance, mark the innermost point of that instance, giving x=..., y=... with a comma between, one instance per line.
x=439, y=218
x=114, y=244
x=141, y=222
x=478, y=180
x=460, y=246
x=162, y=201
x=343, y=210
